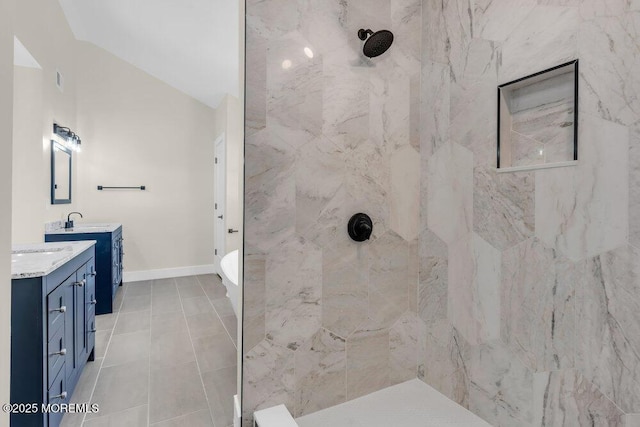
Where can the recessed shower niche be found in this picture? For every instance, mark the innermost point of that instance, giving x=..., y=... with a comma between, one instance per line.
x=538, y=119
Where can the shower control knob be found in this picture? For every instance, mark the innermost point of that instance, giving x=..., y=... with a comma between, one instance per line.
x=360, y=227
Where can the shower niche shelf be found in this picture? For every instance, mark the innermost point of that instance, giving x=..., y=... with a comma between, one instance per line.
x=538, y=120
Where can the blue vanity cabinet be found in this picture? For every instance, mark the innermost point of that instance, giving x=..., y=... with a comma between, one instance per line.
x=52, y=337
x=109, y=256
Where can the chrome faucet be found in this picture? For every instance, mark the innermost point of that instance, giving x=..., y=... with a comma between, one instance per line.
x=69, y=223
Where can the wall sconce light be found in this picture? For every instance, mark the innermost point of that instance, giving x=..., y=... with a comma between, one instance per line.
x=71, y=138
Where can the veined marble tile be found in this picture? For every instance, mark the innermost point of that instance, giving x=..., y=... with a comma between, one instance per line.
x=293, y=292
x=546, y=38
x=268, y=378
x=581, y=210
x=345, y=101
x=256, y=81
x=273, y=18
x=503, y=206
x=368, y=361
x=473, y=96
x=373, y=14
x=634, y=186
x=254, y=300
x=597, y=8
x=434, y=111
x=405, y=193
x=631, y=420
x=414, y=274
x=324, y=24
x=403, y=347
x=609, y=319
x=388, y=279
x=443, y=355
x=406, y=24
x=496, y=19
x=345, y=277
x=608, y=49
x=538, y=306
x=319, y=175
x=321, y=373
x=474, y=289
x=501, y=387
x=450, y=193
x=390, y=107
x=445, y=26
x=563, y=397
x=433, y=284
x=270, y=190
x=294, y=87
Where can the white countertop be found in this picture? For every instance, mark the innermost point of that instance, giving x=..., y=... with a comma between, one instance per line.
x=82, y=228
x=40, y=259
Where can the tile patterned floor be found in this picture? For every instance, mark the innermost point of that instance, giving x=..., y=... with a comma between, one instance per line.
x=165, y=358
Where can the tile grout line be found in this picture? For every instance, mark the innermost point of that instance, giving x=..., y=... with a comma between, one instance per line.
x=218, y=314
x=193, y=347
x=104, y=357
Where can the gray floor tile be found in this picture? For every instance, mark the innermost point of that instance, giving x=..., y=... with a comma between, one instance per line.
x=102, y=341
x=196, y=419
x=168, y=322
x=223, y=306
x=191, y=291
x=171, y=348
x=186, y=281
x=215, y=352
x=136, y=303
x=87, y=382
x=204, y=324
x=117, y=301
x=193, y=306
x=221, y=386
x=127, y=348
x=164, y=286
x=138, y=288
x=213, y=287
x=121, y=387
x=134, y=321
x=105, y=322
x=165, y=303
x=134, y=417
x=231, y=325
x=72, y=420
x=175, y=392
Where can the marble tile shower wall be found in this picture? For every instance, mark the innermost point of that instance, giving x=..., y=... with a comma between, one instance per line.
x=529, y=283
x=329, y=134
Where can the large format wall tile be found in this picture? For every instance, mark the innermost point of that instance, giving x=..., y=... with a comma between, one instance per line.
x=293, y=292
x=253, y=331
x=404, y=198
x=583, y=210
x=433, y=278
x=609, y=319
x=537, y=306
x=634, y=186
x=565, y=396
x=403, y=348
x=320, y=370
x=450, y=193
x=474, y=289
x=496, y=19
x=368, y=361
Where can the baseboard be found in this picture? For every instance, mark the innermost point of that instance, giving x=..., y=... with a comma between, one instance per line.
x=165, y=273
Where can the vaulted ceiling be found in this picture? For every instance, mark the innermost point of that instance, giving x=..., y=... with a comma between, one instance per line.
x=191, y=45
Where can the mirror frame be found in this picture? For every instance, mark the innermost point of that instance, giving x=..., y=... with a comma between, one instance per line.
x=58, y=146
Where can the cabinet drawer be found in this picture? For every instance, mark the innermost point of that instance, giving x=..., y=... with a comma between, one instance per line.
x=57, y=394
x=57, y=306
x=56, y=355
x=91, y=329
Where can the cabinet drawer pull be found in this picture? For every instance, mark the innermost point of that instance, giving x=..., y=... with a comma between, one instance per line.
x=93, y=302
x=81, y=283
x=59, y=353
x=93, y=274
x=92, y=330
x=62, y=396
x=62, y=309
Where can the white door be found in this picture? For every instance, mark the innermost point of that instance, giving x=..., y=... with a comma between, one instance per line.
x=219, y=200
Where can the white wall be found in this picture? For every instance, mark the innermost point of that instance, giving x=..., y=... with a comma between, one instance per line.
x=6, y=112
x=137, y=130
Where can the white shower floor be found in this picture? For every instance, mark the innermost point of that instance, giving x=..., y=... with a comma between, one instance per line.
x=410, y=404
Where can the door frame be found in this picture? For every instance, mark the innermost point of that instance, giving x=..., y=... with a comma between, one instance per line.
x=219, y=198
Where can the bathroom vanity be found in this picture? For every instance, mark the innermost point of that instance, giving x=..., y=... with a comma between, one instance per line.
x=52, y=325
x=109, y=254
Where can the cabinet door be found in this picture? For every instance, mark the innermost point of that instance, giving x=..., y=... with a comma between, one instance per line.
x=69, y=324
x=80, y=307
x=90, y=312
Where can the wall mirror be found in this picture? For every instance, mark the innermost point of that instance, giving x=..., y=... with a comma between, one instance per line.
x=60, y=174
